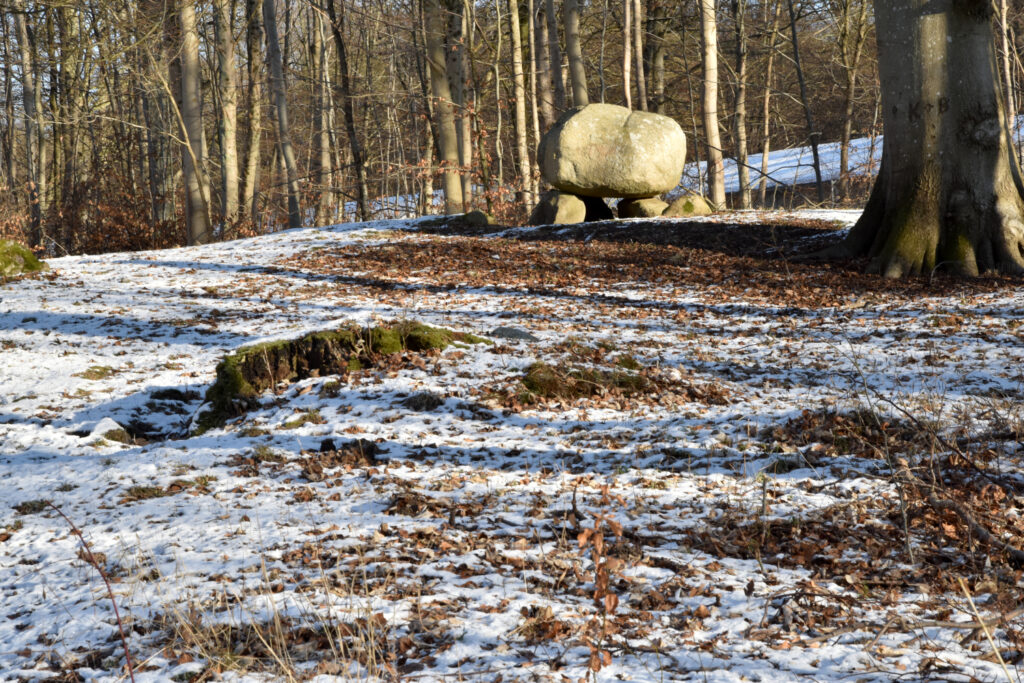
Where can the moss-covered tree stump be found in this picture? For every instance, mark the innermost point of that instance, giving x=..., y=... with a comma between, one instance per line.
x=16, y=259
x=245, y=375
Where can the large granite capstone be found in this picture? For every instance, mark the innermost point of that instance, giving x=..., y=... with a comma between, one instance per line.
x=604, y=150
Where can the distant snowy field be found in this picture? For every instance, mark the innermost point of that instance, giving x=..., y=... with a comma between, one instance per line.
x=792, y=167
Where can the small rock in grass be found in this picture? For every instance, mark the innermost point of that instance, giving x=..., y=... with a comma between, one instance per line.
x=558, y=208
x=688, y=205
x=651, y=207
x=513, y=333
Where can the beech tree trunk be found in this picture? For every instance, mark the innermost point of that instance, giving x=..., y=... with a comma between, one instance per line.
x=519, y=86
x=253, y=96
x=280, y=100
x=638, y=51
x=534, y=115
x=766, y=102
x=577, y=70
x=227, y=88
x=627, y=51
x=709, y=64
x=654, y=53
x=444, y=109
x=542, y=62
x=555, y=52
x=32, y=129
x=949, y=192
x=193, y=156
x=740, y=13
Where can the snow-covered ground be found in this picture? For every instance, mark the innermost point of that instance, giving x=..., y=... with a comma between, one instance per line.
x=457, y=553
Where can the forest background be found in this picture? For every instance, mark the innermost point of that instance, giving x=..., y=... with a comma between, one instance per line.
x=130, y=125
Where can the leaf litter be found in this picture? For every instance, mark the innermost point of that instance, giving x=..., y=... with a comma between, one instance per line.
x=716, y=461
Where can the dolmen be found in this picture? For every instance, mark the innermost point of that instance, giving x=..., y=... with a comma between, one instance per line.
x=604, y=150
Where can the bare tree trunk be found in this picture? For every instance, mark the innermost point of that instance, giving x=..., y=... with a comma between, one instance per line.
x=444, y=110
x=522, y=146
x=193, y=159
x=949, y=193
x=577, y=69
x=766, y=101
x=627, y=51
x=534, y=118
x=1005, y=49
x=280, y=101
x=253, y=97
x=542, y=62
x=321, y=135
x=157, y=106
x=555, y=52
x=29, y=86
x=740, y=14
x=9, y=137
x=812, y=133
x=709, y=63
x=227, y=85
x=638, y=51
x=348, y=110
x=654, y=53
x=852, y=32
x=458, y=41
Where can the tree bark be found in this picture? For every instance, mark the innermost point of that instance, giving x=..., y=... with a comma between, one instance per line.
x=456, y=59
x=321, y=134
x=654, y=53
x=949, y=193
x=852, y=24
x=534, y=115
x=577, y=69
x=638, y=51
x=279, y=98
x=253, y=97
x=227, y=88
x=766, y=102
x=542, y=62
x=444, y=109
x=740, y=108
x=29, y=88
x=193, y=157
x=709, y=64
x=555, y=52
x=627, y=51
x=519, y=86
x=348, y=110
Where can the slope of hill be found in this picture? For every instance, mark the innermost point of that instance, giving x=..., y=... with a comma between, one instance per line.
x=684, y=455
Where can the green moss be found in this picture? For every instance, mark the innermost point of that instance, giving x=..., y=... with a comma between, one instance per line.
x=384, y=340
x=467, y=338
x=245, y=375
x=419, y=337
x=16, y=259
